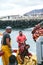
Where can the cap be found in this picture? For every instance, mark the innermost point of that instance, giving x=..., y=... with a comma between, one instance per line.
x=8, y=27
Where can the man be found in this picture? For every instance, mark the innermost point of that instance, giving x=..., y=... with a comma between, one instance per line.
x=13, y=60
x=21, y=38
x=6, y=49
x=7, y=31
x=23, y=51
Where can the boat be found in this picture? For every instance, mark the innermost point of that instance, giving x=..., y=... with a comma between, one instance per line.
x=32, y=60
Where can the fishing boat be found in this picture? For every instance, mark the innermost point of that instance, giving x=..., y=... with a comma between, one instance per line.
x=32, y=60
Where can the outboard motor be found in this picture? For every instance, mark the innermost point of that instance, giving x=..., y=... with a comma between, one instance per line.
x=39, y=50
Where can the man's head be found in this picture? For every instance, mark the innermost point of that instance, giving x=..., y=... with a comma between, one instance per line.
x=8, y=29
x=13, y=60
x=20, y=33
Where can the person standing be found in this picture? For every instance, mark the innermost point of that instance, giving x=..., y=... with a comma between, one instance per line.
x=6, y=48
x=8, y=30
x=21, y=38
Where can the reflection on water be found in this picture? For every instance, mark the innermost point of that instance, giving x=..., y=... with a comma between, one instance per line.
x=30, y=41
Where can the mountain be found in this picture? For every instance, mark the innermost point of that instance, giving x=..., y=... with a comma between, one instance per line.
x=34, y=12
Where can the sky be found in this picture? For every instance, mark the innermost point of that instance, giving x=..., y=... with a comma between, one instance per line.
x=19, y=7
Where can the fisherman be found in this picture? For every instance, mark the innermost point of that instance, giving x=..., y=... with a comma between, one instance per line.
x=6, y=48
x=21, y=39
x=23, y=51
x=7, y=31
x=13, y=60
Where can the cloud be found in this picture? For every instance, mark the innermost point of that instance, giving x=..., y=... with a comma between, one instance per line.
x=27, y=2
x=21, y=3
x=11, y=7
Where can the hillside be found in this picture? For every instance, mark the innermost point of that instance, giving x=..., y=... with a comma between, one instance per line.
x=34, y=12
